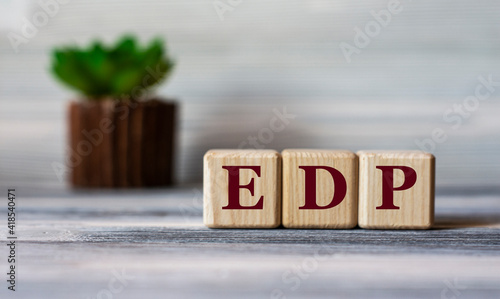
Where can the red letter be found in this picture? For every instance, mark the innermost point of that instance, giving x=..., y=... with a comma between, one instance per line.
x=388, y=184
x=233, y=188
x=310, y=187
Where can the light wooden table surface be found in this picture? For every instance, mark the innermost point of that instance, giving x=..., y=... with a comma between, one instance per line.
x=76, y=244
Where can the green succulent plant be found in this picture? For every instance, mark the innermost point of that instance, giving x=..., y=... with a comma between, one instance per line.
x=124, y=71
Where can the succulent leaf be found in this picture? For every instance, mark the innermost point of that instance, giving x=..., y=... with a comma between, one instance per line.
x=120, y=71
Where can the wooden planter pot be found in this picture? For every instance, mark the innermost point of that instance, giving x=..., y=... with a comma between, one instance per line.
x=121, y=144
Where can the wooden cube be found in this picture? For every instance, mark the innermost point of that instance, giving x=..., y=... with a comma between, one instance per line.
x=396, y=189
x=242, y=189
x=320, y=188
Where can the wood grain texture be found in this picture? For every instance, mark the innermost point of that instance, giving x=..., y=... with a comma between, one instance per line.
x=69, y=245
x=416, y=204
x=135, y=145
x=268, y=185
x=122, y=144
x=77, y=175
x=344, y=215
x=92, y=138
x=107, y=127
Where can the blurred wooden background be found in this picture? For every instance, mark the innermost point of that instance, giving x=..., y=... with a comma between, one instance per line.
x=231, y=74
